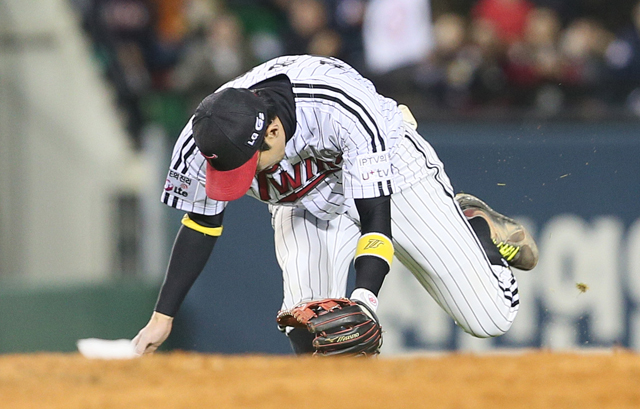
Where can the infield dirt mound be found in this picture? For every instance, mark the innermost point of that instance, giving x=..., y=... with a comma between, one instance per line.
x=188, y=380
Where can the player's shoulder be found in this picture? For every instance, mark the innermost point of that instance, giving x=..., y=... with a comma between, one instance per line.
x=322, y=70
x=299, y=68
x=186, y=132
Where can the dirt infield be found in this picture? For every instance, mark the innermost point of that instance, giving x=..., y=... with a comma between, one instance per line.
x=187, y=380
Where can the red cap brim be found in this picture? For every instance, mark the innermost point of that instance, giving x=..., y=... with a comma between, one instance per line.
x=231, y=184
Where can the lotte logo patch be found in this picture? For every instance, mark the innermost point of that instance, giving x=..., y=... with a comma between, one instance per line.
x=373, y=244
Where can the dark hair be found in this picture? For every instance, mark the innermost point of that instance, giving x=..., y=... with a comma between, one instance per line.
x=268, y=102
x=271, y=113
x=264, y=146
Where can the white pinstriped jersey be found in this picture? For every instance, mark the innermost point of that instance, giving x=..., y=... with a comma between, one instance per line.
x=349, y=143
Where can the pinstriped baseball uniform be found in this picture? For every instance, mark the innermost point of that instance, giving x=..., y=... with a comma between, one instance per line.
x=352, y=143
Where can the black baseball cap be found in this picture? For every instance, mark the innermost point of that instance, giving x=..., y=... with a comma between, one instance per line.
x=228, y=128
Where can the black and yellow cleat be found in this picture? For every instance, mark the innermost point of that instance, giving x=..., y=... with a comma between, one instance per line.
x=513, y=241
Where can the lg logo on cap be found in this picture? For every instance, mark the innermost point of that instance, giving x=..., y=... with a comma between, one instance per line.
x=259, y=121
x=258, y=127
x=253, y=139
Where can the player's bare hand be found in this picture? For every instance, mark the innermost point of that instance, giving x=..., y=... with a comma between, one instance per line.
x=153, y=334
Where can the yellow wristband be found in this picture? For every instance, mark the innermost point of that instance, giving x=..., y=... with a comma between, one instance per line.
x=377, y=245
x=209, y=231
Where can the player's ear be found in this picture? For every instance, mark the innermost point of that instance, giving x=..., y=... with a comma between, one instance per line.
x=273, y=129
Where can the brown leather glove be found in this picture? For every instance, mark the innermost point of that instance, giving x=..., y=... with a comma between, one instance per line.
x=341, y=326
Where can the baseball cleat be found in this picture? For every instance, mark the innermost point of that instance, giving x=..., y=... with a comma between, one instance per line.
x=515, y=244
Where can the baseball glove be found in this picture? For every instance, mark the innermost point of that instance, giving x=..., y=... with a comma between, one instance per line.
x=341, y=326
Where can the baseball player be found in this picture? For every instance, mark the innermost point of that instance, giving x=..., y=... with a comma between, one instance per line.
x=348, y=179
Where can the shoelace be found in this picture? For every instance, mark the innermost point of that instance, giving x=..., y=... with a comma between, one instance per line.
x=508, y=251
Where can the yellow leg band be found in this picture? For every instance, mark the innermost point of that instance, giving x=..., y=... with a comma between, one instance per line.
x=377, y=245
x=209, y=231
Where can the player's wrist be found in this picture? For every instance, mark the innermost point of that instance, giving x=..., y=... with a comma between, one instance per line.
x=366, y=297
x=158, y=316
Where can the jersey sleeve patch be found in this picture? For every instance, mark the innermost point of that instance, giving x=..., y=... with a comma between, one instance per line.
x=181, y=186
x=374, y=167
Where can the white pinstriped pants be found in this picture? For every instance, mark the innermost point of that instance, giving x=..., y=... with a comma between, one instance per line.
x=431, y=237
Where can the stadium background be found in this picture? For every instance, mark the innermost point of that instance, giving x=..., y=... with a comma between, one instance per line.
x=541, y=119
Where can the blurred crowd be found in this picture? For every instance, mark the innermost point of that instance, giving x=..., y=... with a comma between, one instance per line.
x=448, y=59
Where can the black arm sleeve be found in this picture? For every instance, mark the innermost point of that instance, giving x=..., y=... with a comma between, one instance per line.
x=190, y=253
x=375, y=216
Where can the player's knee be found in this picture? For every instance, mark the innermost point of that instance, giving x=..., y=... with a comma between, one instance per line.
x=491, y=330
x=489, y=334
